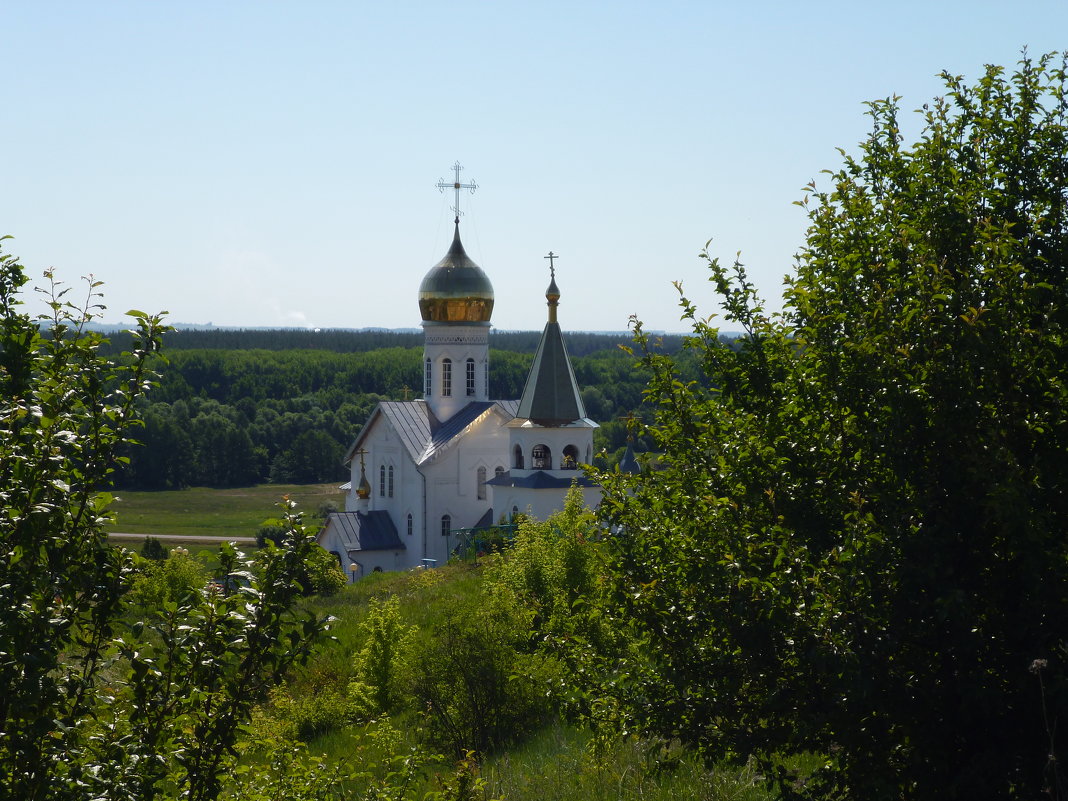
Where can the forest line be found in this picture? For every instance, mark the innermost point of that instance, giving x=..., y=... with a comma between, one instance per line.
x=283, y=412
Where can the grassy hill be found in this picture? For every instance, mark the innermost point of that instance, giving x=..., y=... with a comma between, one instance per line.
x=552, y=758
x=453, y=637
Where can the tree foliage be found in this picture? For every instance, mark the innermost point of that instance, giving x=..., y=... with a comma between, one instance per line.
x=89, y=707
x=856, y=544
x=63, y=412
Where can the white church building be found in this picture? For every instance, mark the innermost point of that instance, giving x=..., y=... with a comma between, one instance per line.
x=426, y=471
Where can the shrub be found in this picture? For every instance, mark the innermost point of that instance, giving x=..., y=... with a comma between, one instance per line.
x=152, y=549
x=378, y=666
x=325, y=576
x=306, y=716
x=322, y=575
x=475, y=687
x=270, y=531
x=173, y=579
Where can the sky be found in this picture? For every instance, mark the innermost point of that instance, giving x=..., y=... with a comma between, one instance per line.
x=274, y=163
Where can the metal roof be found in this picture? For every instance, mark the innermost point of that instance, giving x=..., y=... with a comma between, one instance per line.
x=456, y=290
x=629, y=462
x=423, y=436
x=539, y=479
x=551, y=394
x=367, y=531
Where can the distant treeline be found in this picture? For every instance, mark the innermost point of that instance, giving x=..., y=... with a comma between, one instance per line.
x=232, y=417
x=345, y=340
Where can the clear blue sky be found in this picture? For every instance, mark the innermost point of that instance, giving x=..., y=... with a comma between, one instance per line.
x=273, y=163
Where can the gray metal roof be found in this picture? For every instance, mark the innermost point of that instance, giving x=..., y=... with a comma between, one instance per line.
x=367, y=531
x=551, y=394
x=423, y=436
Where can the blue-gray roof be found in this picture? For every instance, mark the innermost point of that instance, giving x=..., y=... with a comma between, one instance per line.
x=423, y=436
x=371, y=531
x=486, y=521
x=629, y=462
x=539, y=479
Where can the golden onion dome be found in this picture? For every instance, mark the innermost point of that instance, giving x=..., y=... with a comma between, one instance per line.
x=363, y=492
x=456, y=290
x=552, y=294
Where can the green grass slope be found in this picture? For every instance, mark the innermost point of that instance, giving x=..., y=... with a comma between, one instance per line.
x=558, y=761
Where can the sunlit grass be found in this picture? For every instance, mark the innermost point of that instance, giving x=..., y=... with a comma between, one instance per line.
x=559, y=764
x=204, y=512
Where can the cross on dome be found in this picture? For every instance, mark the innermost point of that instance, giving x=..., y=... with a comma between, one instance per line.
x=456, y=186
x=552, y=267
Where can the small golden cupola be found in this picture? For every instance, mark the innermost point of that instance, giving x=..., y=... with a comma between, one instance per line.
x=552, y=294
x=363, y=490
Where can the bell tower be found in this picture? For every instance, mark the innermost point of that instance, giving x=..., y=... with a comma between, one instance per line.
x=455, y=303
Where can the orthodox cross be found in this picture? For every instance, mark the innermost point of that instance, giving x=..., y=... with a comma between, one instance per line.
x=551, y=257
x=361, y=451
x=456, y=186
x=407, y=391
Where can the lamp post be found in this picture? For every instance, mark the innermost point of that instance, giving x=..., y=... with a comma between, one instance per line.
x=352, y=569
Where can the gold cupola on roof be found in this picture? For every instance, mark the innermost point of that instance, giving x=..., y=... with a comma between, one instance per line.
x=363, y=490
x=456, y=290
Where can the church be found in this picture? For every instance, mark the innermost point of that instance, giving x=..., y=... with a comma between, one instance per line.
x=426, y=471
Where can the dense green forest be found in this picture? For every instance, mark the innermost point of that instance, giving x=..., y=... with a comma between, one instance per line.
x=244, y=407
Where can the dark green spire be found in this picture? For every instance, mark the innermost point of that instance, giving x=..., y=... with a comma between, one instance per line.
x=551, y=395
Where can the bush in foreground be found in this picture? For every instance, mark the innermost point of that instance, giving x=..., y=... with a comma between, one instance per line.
x=855, y=546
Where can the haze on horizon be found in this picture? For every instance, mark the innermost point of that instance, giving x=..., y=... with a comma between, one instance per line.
x=274, y=164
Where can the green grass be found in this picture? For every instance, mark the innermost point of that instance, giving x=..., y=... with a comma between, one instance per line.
x=556, y=763
x=203, y=512
x=559, y=764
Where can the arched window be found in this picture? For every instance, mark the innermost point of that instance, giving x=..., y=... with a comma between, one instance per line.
x=446, y=525
x=382, y=481
x=589, y=454
x=470, y=377
x=480, y=487
x=428, y=376
x=517, y=457
x=409, y=524
x=391, y=481
x=446, y=378
x=570, y=460
x=541, y=458
x=515, y=512
x=485, y=378
x=498, y=472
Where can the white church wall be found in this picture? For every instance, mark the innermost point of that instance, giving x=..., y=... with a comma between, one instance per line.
x=457, y=343
x=556, y=439
x=368, y=562
x=410, y=501
x=540, y=503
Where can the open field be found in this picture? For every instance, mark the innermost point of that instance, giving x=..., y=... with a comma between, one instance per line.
x=202, y=512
